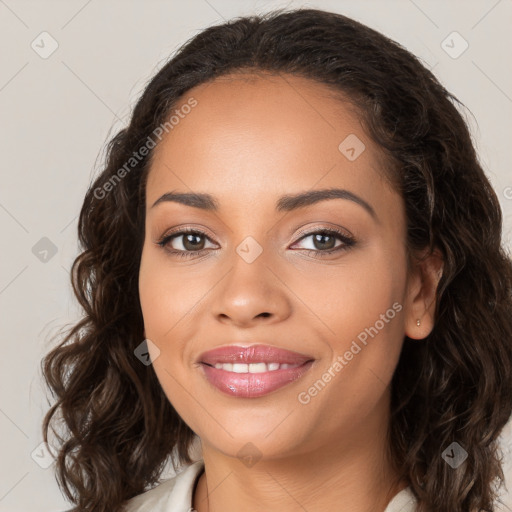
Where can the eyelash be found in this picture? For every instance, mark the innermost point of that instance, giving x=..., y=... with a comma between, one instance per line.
x=348, y=242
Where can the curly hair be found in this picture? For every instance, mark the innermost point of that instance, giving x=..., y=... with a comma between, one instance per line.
x=120, y=430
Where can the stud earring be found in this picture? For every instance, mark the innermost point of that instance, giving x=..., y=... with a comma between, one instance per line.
x=418, y=322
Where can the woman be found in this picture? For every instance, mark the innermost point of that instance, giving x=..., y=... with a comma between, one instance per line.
x=293, y=254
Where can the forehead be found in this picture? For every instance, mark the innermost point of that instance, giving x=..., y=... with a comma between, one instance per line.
x=255, y=133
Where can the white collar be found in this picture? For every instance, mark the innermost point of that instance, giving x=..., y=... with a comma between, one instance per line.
x=175, y=495
x=172, y=495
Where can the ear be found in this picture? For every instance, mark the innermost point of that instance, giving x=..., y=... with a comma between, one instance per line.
x=424, y=275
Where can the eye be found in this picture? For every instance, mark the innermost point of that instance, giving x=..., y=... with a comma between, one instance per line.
x=190, y=242
x=323, y=242
x=185, y=241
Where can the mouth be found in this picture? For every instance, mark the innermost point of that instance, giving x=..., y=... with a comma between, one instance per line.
x=253, y=371
x=252, y=367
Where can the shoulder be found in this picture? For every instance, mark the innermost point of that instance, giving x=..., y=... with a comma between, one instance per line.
x=173, y=494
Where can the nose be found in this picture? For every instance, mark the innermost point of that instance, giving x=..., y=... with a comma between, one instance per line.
x=250, y=294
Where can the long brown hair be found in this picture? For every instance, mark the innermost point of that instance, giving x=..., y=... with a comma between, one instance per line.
x=455, y=386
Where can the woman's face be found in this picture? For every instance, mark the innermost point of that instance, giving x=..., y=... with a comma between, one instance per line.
x=259, y=271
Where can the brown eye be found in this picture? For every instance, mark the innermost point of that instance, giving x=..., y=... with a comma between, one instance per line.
x=323, y=242
x=192, y=242
x=185, y=241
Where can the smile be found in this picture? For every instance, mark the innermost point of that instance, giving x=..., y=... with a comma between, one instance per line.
x=253, y=371
x=253, y=367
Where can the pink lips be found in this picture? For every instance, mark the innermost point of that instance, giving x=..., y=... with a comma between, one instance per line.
x=247, y=384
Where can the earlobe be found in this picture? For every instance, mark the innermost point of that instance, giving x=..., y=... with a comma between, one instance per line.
x=422, y=288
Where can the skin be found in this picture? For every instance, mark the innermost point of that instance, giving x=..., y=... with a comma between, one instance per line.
x=250, y=140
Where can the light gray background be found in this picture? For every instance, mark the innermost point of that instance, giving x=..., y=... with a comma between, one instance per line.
x=57, y=113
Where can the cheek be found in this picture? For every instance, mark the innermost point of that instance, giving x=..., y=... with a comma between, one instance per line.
x=364, y=314
x=362, y=306
x=166, y=297
x=164, y=305
x=350, y=297
x=172, y=300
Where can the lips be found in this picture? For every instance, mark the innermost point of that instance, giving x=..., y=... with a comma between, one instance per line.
x=251, y=372
x=253, y=354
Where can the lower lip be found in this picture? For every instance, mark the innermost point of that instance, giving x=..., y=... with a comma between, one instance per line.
x=252, y=385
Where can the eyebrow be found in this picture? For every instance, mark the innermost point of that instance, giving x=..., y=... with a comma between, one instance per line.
x=285, y=203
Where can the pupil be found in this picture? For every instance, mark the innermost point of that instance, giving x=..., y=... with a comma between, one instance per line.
x=188, y=241
x=319, y=237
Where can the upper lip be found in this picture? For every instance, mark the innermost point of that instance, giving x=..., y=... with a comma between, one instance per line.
x=252, y=354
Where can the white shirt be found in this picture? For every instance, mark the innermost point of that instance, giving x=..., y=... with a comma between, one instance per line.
x=175, y=495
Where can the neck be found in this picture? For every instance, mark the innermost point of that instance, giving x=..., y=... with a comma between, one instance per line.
x=353, y=475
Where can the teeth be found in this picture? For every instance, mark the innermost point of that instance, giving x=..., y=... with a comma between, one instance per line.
x=257, y=368
x=253, y=367
x=227, y=366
